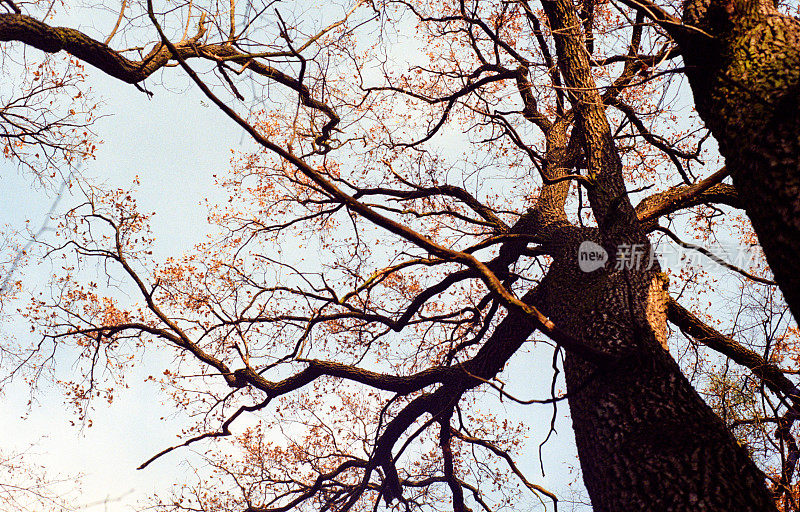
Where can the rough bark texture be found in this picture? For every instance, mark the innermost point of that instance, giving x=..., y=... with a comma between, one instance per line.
x=646, y=440
x=746, y=80
x=30, y=31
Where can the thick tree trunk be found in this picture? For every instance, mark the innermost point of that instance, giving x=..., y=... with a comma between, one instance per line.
x=745, y=75
x=645, y=439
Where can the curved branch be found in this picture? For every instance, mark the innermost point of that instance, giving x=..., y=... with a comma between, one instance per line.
x=32, y=32
x=487, y=276
x=770, y=374
x=445, y=190
x=708, y=190
x=116, y=25
x=509, y=460
x=714, y=257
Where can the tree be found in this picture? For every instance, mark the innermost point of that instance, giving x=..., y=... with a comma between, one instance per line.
x=26, y=487
x=377, y=353
x=742, y=63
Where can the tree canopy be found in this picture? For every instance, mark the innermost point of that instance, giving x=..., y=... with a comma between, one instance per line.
x=434, y=190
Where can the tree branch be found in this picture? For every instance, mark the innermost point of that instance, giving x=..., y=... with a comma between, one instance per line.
x=770, y=374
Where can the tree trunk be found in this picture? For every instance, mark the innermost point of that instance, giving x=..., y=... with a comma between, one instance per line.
x=745, y=75
x=646, y=440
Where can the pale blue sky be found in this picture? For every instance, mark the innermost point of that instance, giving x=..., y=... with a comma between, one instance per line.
x=174, y=145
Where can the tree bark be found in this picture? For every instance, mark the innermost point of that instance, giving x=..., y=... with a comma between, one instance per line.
x=744, y=70
x=645, y=438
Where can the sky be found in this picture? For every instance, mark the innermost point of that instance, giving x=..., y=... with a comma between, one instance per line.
x=174, y=143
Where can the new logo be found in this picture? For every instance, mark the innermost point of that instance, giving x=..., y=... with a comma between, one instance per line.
x=591, y=256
